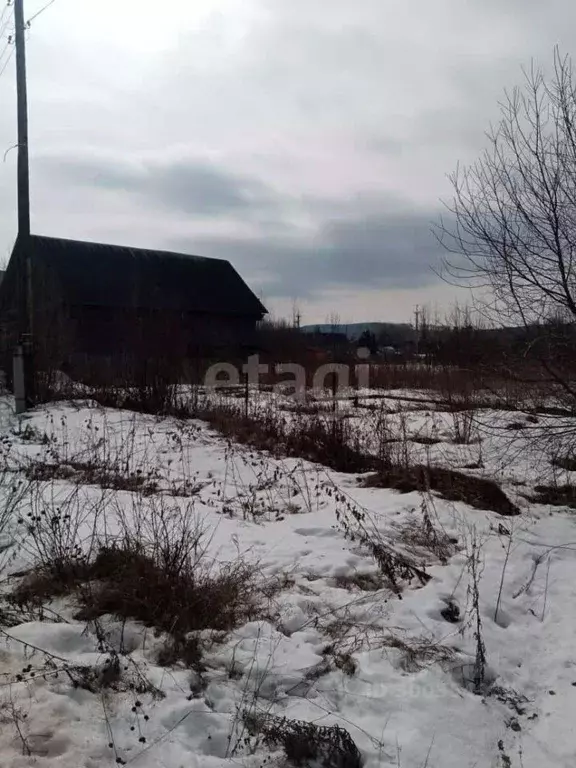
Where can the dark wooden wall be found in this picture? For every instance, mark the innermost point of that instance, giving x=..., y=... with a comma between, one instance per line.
x=124, y=339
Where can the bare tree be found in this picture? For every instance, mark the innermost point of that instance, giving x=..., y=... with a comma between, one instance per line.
x=512, y=228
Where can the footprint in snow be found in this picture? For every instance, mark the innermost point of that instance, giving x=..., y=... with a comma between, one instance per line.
x=322, y=533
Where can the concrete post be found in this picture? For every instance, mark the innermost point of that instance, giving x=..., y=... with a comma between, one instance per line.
x=19, y=380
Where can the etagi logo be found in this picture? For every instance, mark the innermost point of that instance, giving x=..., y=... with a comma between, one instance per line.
x=252, y=371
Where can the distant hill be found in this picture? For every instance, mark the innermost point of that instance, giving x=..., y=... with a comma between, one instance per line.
x=386, y=333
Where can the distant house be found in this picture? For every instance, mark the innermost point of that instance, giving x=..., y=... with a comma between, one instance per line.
x=96, y=304
x=388, y=353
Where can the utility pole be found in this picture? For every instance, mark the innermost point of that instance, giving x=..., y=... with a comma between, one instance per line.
x=417, y=326
x=22, y=93
x=25, y=255
x=296, y=315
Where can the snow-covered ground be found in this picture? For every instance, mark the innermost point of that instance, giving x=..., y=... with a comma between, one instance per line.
x=337, y=644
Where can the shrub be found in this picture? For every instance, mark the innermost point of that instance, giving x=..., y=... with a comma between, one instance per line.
x=153, y=571
x=478, y=492
x=306, y=743
x=128, y=582
x=357, y=525
x=565, y=462
x=325, y=440
x=422, y=535
x=555, y=495
x=90, y=473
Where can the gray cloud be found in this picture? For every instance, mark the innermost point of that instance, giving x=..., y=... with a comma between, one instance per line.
x=309, y=144
x=385, y=252
x=194, y=187
x=365, y=241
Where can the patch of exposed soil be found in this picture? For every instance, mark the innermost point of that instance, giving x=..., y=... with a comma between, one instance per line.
x=478, y=492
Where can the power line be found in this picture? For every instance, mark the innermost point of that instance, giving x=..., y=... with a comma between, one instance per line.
x=5, y=22
x=6, y=8
x=8, y=60
x=7, y=46
x=9, y=40
x=41, y=11
x=7, y=32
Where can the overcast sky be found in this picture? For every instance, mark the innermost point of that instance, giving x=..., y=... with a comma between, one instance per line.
x=307, y=141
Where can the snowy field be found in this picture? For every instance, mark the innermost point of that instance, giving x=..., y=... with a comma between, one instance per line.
x=437, y=635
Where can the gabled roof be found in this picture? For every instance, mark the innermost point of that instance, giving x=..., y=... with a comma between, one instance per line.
x=95, y=274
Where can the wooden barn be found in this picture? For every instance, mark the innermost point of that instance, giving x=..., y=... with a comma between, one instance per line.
x=103, y=307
